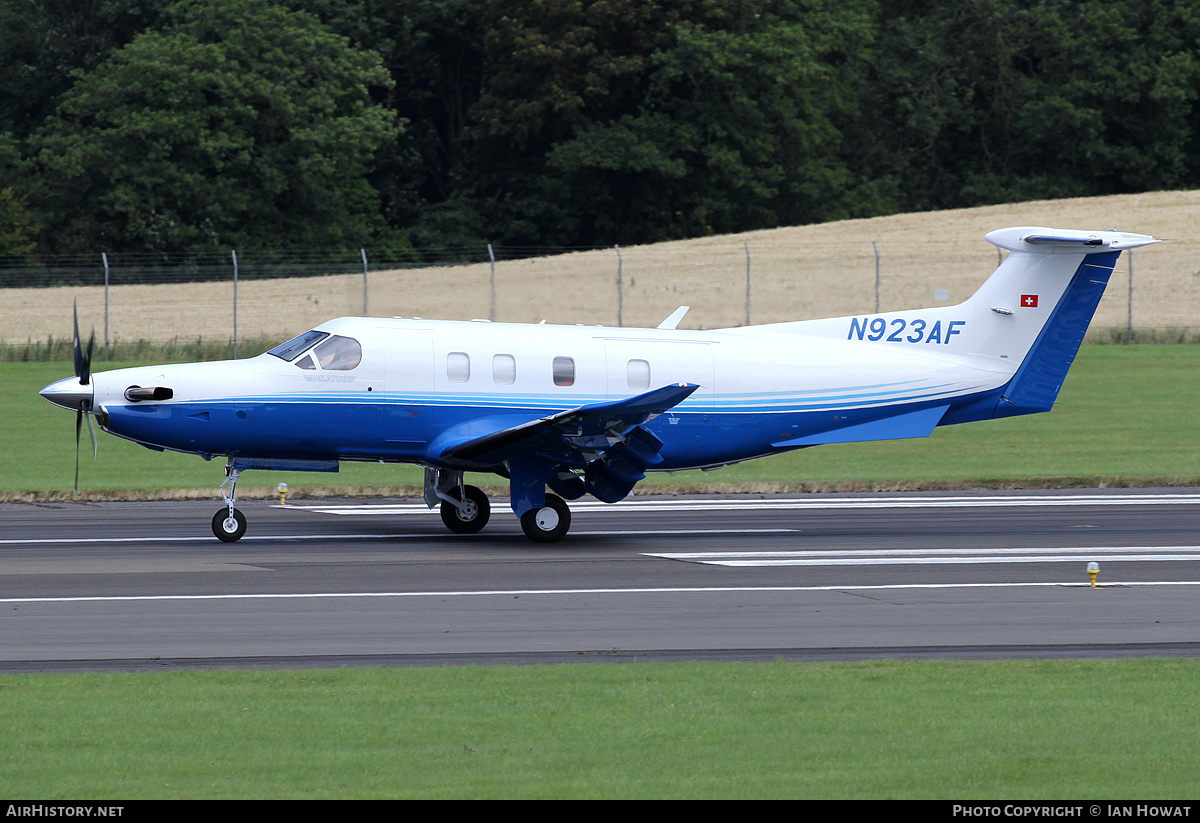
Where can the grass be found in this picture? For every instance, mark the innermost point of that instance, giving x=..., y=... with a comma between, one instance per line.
x=1125, y=417
x=1029, y=730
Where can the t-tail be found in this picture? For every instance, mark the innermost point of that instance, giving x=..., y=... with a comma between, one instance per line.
x=1025, y=323
x=1036, y=307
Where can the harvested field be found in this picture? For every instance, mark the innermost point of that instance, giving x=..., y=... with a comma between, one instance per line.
x=795, y=273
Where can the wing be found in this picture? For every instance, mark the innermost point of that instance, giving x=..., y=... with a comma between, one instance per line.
x=557, y=436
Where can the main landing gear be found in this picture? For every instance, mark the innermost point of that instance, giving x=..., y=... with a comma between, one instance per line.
x=468, y=516
x=466, y=510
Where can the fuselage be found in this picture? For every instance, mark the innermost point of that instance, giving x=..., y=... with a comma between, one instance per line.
x=762, y=389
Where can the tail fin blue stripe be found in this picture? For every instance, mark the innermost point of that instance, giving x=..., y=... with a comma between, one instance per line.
x=1035, y=385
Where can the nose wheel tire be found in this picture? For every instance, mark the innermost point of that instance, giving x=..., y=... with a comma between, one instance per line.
x=229, y=529
x=549, y=523
x=472, y=517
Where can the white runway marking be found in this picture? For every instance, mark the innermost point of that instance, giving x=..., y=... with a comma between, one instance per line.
x=414, y=536
x=533, y=592
x=778, y=504
x=920, y=557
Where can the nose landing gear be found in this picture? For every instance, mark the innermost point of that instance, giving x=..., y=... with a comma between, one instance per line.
x=229, y=524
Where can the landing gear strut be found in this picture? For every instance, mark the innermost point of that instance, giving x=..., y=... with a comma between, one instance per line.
x=229, y=524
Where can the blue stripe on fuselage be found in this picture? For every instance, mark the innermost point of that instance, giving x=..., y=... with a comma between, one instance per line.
x=325, y=428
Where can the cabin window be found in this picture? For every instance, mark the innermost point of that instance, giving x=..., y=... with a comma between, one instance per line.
x=306, y=362
x=504, y=369
x=339, y=353
x=458, y=367
x=564, y=371
x=638, y=373
x=293, y=348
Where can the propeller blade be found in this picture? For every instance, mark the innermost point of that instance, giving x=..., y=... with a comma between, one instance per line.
x=78, y=427
x=87, y=360
x=83, y=359
x=92, y=433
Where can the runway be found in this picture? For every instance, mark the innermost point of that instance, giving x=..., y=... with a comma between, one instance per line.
x=819, y=577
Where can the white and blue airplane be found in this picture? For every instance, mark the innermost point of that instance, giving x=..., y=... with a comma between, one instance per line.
x=590, y=409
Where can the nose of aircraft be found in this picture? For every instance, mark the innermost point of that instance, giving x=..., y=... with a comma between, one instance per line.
x=69, y=393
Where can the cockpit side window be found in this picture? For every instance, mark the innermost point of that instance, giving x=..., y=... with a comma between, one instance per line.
x=293, y=348
x=339, y=353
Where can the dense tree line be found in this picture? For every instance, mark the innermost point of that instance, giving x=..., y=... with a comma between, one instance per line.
x=134, y=125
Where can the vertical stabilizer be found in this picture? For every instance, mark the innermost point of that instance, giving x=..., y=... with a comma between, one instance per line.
x=1061, y=276
x=1036, y=384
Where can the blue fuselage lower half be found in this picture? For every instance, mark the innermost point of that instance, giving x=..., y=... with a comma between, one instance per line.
x=389, y=429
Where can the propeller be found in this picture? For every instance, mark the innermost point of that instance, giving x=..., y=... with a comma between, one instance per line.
x=83, y=359
x=83, y=372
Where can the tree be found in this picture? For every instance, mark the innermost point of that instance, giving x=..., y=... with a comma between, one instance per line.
x=989, y=101
x=604, y=120
x=16, y=226
x=739, y=127
x=43, y=43
x=240, y=124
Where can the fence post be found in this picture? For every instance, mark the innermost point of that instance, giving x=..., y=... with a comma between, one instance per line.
x=746, y=244
x=620, y=289
x=104, y=257
x=876, y=248
x=363, y=252
x=235, y=278
x=492, y=308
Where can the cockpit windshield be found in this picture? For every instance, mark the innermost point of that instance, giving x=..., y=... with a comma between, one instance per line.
x=298, y=345
x=333, y=351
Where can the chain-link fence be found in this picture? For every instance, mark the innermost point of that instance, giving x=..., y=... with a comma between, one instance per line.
x=759, y=277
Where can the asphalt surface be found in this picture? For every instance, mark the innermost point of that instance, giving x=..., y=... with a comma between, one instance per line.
x=99, y=586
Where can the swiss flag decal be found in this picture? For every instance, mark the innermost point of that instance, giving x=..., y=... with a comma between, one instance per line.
x=1029, y=301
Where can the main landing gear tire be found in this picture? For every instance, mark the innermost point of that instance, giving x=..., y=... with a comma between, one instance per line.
x=472, y=517
x=549, y=523
x=229, y=529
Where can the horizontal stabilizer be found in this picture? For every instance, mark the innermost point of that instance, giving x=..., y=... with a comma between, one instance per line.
x=897, y=427
x=1067, y=241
